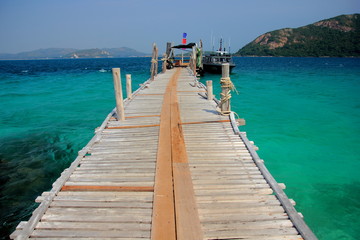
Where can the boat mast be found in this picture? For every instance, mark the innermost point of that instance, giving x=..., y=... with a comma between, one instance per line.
x=229, y=45
x=213, y=44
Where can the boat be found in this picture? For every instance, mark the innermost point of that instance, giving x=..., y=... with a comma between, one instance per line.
x=212, y=61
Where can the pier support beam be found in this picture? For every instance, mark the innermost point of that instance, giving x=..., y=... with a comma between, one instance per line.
x=209, y=87
x=118, y=94
x=226, y=86
x=164, y=63
x=154, y=62
x=128, y=86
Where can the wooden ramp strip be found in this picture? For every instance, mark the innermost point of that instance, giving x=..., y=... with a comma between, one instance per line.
x=175, y=213
x=80, y=188
x=188, y=225
x=163, y=217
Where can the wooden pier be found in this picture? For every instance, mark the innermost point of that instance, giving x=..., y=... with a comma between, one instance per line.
x=173, y=169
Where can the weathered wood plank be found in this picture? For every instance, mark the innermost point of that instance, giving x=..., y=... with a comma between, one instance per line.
x=136, y=199
x=243, y=217
x=257, y=225
x=101, y=204
x=163, y=218
x=89, y=233
x=117, y=186
x=248, y=233
x=101, y=226
x=99, y=217
x=89, y=211
x=188, y=225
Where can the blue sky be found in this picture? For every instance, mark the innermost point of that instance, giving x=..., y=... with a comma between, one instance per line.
x=32, y=24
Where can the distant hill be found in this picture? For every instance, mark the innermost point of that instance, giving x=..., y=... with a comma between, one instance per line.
x=60, y=53
x=39, y=54
x=334, y=37
x=105, y=53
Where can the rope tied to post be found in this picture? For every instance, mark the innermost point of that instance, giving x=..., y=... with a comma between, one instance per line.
x=225, y=96
x=227, y=83
x=154, y=60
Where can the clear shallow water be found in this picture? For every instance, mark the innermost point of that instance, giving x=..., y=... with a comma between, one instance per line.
x=303, y=113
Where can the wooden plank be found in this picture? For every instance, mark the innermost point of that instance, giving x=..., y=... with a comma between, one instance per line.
x=124, y=183
x=244, y=209
x=139, y=126
x=111, y=175
x=214, y=187
x=88, y=233
x=100, y=211
x=120, y=179
x=101, y=204
x=107, y=188
x=249, y=233
x=135, y=199
x=243, y=217
x=258, y=225
x=105, y=194
x=234, y=198
x=239, y=204
x=144, y=116
x=203, y=192
x=94, y=226
x=98, y=217
x=118, y=170
x=203, y=122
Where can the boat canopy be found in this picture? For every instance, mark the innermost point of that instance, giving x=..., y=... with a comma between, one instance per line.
x=190, y=45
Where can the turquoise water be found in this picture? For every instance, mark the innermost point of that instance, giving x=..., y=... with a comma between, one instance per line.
x=303, y=114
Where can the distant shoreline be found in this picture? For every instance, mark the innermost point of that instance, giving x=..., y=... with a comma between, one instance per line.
x=42, y=59
x=294, y=56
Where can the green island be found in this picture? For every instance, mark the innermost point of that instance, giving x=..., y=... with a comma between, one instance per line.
x=334, y=37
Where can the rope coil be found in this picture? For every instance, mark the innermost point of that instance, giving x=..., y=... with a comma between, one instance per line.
x=225, y=96
x=227, y=83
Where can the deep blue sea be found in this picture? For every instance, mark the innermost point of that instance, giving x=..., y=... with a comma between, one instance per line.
x=303, y=114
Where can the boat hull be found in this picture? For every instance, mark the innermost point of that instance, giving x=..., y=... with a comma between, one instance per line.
x=215, y=68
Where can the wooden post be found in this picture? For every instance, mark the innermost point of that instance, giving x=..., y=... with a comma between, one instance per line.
x=128, y=86
x=209, y=87
x=153, y=68
x=118, y=94
x=157, y=62
x=225, y=89
x=193, y=59
x=164, y=63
